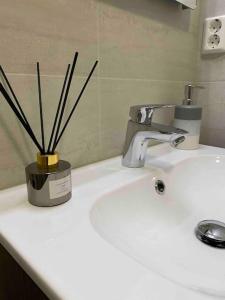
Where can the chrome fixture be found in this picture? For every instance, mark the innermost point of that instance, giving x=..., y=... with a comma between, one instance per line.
x=160, y=187
x=141, y=129
x=211, y=232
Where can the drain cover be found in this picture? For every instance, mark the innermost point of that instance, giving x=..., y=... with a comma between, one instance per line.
x=211, y=232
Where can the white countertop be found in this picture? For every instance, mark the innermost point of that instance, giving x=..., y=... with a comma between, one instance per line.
x=61, y=251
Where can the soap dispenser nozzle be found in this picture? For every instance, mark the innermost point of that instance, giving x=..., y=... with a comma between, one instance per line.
x=189, y=92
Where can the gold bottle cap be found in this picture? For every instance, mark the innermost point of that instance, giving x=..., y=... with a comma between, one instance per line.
x=47, y=160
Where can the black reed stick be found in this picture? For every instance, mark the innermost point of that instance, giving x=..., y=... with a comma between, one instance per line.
x=75, y=105
x=65, y=99
x=13, y=94
x=15, y=110
x=58, y=109
x=17, y=102
x=41, y=112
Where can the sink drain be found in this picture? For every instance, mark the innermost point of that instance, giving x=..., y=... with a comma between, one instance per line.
x=211, y=232
x=160, y=187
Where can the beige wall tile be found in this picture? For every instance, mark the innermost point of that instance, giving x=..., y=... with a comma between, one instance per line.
x=213, y=93
x=116, y=98
x=212, y=137
x=212, y=100
x=211, y=67
x=48, y=31
x=134, y=44
x=212, y=8
x=213, y=116
x=81, y=138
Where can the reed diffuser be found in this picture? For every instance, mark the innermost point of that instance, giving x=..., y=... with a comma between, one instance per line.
x=49, y=178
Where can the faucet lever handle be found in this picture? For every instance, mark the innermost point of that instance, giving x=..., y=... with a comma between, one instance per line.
x=143, y=114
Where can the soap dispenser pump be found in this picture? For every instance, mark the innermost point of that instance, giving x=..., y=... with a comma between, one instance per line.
x=188, y=117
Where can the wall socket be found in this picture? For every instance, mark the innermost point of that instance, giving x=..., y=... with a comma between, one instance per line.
x=214, y=35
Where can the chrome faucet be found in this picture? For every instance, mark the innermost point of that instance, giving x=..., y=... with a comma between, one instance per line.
x=141, y=129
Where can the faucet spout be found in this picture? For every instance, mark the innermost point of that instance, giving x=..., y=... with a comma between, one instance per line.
x=138, y=136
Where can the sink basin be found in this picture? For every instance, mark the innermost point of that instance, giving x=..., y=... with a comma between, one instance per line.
x=158, y=230
x=118, y=239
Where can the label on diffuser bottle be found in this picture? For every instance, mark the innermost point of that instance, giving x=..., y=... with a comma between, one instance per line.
x=60, y=187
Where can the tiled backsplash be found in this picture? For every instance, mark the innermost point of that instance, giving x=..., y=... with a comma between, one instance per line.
x=147, y=52
x=211, y=74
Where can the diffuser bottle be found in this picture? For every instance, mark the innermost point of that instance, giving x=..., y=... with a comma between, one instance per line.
x=48, y=180
x=188, y=117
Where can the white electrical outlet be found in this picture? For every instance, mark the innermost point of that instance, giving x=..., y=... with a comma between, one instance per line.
x=214, y=35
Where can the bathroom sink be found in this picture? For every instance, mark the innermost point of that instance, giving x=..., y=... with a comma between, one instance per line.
x=120, y=239
x=157, y=230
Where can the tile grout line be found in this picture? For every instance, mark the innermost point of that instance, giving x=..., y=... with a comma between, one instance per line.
x=108, y=78
x=211, y=82
x=142, y=79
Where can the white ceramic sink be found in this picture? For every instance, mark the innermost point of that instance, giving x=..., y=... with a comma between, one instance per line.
x=158, y=230
x=117, y=239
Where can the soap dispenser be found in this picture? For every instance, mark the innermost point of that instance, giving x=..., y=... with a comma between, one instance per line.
x=188, y=117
